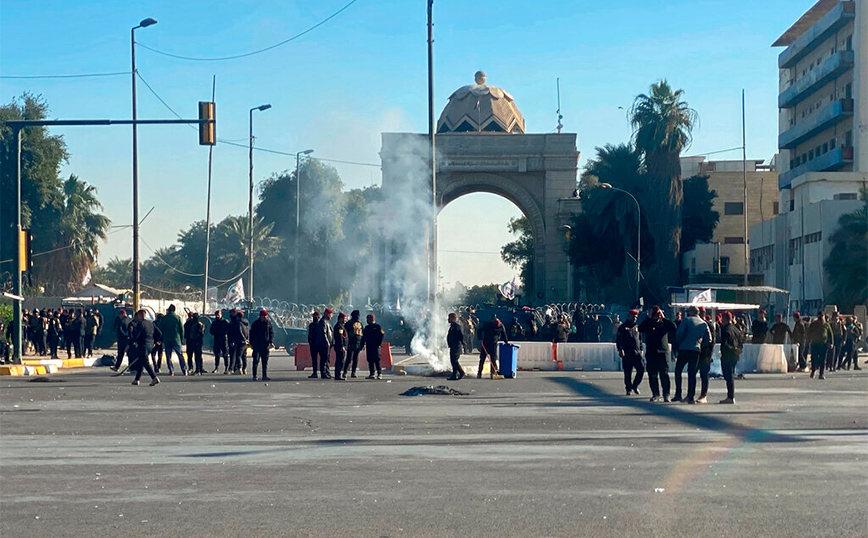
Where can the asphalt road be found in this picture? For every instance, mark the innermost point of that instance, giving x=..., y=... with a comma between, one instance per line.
x=546, y=454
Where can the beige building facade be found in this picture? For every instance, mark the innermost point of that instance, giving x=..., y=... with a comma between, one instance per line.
x=823, y=147
x=722, y=260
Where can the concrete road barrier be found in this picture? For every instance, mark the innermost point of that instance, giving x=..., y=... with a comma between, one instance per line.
x=303, y=358
x=536, y=356
x=589, y=356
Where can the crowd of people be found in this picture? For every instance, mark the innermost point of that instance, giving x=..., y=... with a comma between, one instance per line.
x=48, y=332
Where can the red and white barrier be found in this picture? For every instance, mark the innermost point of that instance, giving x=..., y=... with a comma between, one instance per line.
x=303, y=358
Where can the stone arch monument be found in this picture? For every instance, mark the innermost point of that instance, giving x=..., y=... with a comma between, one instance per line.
x=482, y=147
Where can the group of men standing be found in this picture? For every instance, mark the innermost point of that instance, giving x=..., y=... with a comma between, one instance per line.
x=47, y=331
x=693, y=339
x=347, y=338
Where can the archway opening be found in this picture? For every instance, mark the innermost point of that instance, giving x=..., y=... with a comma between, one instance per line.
x=472, y=230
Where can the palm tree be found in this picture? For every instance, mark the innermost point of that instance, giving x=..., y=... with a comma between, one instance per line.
x=117, y=273
x=663, y=125
x=76, y=241
x=845, y=266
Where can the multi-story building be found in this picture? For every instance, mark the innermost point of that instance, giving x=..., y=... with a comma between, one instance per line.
x=722, y=259
x=823, y=147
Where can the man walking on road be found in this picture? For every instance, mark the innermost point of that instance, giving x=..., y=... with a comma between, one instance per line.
x=455, y=342
x=220, y=331
x=819, y=335
x=323, y=342
x=630, y=351
x=311, y=343
x=341, y=343
x=194, y=333
x=142, y=336
x=122, y=332
x=489, y=335
x=354, y=330
x=691, y=335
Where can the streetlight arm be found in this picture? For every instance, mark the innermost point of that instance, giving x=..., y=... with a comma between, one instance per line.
x=638, y=235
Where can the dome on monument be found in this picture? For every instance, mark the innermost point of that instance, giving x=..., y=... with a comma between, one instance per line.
x=480, y=108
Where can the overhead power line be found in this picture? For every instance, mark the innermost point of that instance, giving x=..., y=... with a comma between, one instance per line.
x=81, y=75
x=240, y=145
x=252, y=53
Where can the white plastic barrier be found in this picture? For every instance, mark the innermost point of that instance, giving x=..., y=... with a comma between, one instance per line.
x=536, y=355
x=589, y=356
x=759, y=358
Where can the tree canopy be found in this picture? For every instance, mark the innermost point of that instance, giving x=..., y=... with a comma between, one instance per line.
x=846, y=266
x=519, y=253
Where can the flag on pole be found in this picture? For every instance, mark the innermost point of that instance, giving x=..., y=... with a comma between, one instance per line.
x=704, y=297
x=87, y=278
x=235, y=293
x=507, y=289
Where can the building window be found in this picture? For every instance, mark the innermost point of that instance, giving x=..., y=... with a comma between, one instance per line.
x=832, y=144
x=776, y=208
x=811, y=155
x=848, y=138
x=733, y=240
x=848, y=44
x=795, y=251
x=825, y=148
x=724, y=265
x=846, y=196
x=815, y=237
x=848, y=91
x=733, y=208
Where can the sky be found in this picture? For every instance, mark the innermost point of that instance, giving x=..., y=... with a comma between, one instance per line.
x=364, y=72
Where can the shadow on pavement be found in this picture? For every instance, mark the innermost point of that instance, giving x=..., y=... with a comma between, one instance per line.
x=677, y=413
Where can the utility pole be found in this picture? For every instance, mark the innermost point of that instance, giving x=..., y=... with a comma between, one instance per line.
x=744, y=212
x=432, y=239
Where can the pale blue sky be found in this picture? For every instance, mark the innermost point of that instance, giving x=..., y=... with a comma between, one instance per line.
x=364, y=72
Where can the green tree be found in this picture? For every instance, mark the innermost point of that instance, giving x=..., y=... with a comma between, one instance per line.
x=846, y=266
x=117, y=273
x=663, y=125
x=698, y=218
x=482, y=295
x=519, y=253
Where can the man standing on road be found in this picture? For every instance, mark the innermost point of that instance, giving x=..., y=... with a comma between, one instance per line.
x=798, y=335
x=691, y=335
x=705, y=354
x=142, y=336
x=836, y=322
x=311, y=343
x=354, y=330
x=656, y=329
x=455, y=341
x=759, y=329
x=173, y=333
x=194, y=333
x=122, y=331
x=490, y=334
x=324, y=340
x=372, y=339
x=731, y=341
x=630, y=351
x=239, y=338
x=220, y=331
x=341, y=343
x=819, y=335
x=261, y=340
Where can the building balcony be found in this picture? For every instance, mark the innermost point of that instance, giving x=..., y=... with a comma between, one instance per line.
x=801, y=89
x=838, y=17
x=828, y=116
x=834, y=159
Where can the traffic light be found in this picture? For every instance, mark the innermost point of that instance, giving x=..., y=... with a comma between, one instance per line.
x=25, y=248
x=207, y=123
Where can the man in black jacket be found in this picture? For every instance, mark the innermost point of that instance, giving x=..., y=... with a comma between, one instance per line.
x=657, y=330
x=239, y=337
x=372, y=339
x=122, y=331
x=194, y=334
x=142, y=334
x=731, y=341
x=323, y=340
x=311, y=343
x=489, y=335
x=220, y=330
x=354, y=330
x=261, y=340
x=630, y=350
x=340, y=346
x=455, y=341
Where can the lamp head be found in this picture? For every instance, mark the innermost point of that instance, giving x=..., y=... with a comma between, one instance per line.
x=263, y=107
x=606, y=185
x=307, y=152
x=147, y=22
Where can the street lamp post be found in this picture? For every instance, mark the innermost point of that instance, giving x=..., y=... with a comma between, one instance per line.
x=250, y=208
x=638, y=235
x=297, y=221
x=136, y=261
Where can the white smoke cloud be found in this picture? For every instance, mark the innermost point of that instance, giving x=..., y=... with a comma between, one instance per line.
x=406, y=212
